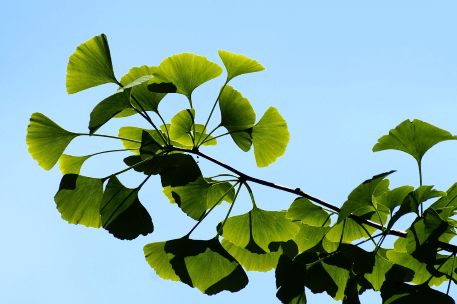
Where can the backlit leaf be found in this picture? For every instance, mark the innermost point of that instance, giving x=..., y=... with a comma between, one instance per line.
x=148, y=100
x=78, y=200
x=270, y=137
x=238, y=64
x=205, y=265
x=309, y=236
x=71, y=164
x=90, y=65
x=185, y=71
x=46, y=140
x=236, y=112
x=413, y=137
x=303, y=210
x=393, y=198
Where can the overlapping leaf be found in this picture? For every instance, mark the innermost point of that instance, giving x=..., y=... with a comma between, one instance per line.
x=413, y=137
x=200, y=195
x=148, y=100
x=72, y=164
x=302, y=209
x=122, y=213
x=205, y=265
x=396, y=293
x=249, y=235
x=78, y=200
x=184, y=72
x=270, y=137
x=136, y=134
x=238, y=64
x=90, y=65
x=47, y=140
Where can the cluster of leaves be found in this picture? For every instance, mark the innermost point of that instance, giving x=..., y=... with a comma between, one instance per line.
x=302, y=244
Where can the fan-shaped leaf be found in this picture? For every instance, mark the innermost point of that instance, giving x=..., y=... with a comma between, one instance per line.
x=185, y=72
x=270, y=137
x=108, y=108
x=362, y=196
x=238, y=64
x=447, y=201
x=201, y=264
x=137, y=134
x=303, y=210
x=122, y=213
x=196, y=197
x=393, y=198
x=181, y=124
x=413, y=137
x=396, y=293
x=78, y=200
x=47, y=140
x=149, y=100
x=71, y=164
x=236, y=112
x=90, y=65
x=309, y=236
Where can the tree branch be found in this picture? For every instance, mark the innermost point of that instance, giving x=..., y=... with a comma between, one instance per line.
x=298, y=191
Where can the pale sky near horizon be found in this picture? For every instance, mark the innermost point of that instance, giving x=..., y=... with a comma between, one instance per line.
x=342, y=74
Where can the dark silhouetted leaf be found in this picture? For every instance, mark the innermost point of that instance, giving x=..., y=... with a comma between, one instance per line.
x=396, y=293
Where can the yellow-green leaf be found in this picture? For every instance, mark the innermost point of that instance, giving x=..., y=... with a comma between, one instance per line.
x=238, y=64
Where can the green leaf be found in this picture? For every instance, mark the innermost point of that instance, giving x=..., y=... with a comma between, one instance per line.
x=303, y=210
x=413, y=137
x=393, y=198
x=261, y=227
x=447, y=201
x=362, y=196
x=236, y=112
x=47, y=140
x=200, y=195
x=205, y=265
x=309, y=236
x=238, y=64
x=71, y=164
x=243, y=139
x=421, y=270
x=149, y=145
x=181, y=124
x=78, y=200
x=270, y=137
x=108, y=108
x=396, y=293
x=384, y=269
x=122, y=213
x=90, y=65
x=185, y=71
x=148, y=100
x=137, y=134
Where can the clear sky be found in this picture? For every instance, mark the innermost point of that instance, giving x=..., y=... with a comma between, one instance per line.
x=342, y=74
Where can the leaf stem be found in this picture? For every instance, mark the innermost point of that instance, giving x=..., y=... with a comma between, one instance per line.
x=212, y=110
x=297, y=191
x=108, y=151
x=419, y=163
x=228, y=213
x=165, y=126
x=109, y=136
x=251, y=194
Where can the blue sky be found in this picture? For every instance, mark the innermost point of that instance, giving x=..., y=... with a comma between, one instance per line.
x=342, y=74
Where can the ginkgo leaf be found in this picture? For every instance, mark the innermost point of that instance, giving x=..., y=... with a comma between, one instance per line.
x=78, y=200
x=270, y=137
x=303, y=210
x=72, y=164
x=449, y=200
x=122, y=213
x=185, y=72
x=362, y=196
x=395, y=293
x=238, y=64
x=181, y=124
x=413, y=137
x=47, y=140
x=393, y=198
x=108, y=108
x=243, y=139
x=149, y=145
x=198, y=196
x=309, y=236
x=136, y=134
x=290, y=281
x=149, y=100
x=261, y=227
x=205, y=265
x=236, y=111
x=90, y=65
